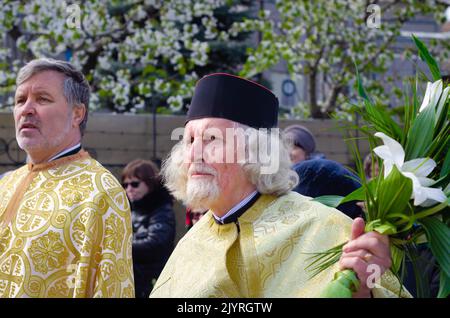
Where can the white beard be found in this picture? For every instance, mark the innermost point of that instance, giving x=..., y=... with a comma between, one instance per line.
x=201, y=193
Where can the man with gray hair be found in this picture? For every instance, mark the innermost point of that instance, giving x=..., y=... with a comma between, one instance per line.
x=256, y=238
x=65, y=227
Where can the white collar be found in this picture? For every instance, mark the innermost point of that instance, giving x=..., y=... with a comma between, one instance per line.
x=236, y=207
x=64, y=152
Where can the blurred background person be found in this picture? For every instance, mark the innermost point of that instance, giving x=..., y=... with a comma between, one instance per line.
x=319, y=176
x=371, y=169
x=153, y=222
x=303, y=143
x=193, y=216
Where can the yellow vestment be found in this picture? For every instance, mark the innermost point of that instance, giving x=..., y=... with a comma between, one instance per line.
x=65, y=231
x=265, y=255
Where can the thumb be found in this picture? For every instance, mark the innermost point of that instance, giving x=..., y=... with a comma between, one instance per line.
x=357, y=228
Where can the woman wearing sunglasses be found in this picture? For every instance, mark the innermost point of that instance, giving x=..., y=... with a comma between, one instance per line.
x=153, y=222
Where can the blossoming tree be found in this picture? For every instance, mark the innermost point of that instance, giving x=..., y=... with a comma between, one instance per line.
x=133, y=52
x=322, y=39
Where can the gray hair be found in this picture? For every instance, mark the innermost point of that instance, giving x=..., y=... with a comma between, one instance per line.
x=277, y=183
x=76, y=87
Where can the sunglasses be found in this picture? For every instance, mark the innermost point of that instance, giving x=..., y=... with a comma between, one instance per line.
x=133, y=184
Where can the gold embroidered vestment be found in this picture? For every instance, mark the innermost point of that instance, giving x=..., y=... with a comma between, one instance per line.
x=65, y=231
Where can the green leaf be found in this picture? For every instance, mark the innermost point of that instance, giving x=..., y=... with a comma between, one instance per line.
x=445, y=170
x=345, y=283
x=329, y=200
x=393, y=195
x=421, y=134
x=432, y=210
x=425, y=56
x=380, y=120
x=418, y=266
x=384, y=228
x=397, y=256
x=358, y=194
x=320, y=261
x=361, y=91
x=438, y=235
x=444, y=285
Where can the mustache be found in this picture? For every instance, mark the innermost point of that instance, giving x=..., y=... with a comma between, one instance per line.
x=201, y=168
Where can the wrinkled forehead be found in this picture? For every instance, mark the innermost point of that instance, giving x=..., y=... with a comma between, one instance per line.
x=205, y=125
x=47, y=81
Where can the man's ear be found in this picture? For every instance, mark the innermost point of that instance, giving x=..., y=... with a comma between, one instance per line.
x=78, y=114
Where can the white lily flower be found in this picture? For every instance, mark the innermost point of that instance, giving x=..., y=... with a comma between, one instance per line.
x=417, y=170
x=432, y=94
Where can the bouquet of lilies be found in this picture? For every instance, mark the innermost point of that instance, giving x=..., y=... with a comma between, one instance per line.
x=409, y=199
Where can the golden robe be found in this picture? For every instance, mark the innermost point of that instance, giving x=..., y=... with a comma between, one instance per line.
x=65, y=231
x=265, y=258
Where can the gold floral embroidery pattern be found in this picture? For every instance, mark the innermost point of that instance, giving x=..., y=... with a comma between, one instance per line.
x=128, y=292
x=114, y=233
x=68, y=229
x=115, y=191
x=10, y=276
x=76, y=189
x=5, y=238
x=48, y=252
x=60, y=289
x=35, y=211
x=85, y=229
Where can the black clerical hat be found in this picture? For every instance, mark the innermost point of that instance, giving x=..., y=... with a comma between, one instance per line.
x=222, y=95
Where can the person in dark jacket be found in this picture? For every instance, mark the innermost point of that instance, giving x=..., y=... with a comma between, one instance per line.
x=318, y=177
x=153, y=222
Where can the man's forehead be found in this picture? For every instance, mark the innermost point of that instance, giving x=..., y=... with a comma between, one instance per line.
x=42, y=81
x=200, y=125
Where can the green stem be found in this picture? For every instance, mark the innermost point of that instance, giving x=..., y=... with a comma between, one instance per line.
x=344, y=284
x=426, y=212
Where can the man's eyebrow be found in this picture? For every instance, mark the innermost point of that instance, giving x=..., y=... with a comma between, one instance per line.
x=19, y=94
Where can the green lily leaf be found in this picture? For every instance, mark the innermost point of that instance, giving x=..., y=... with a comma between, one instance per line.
x=375, y=115
x=361, y=91
x=425, y=56
x=420, y=135
x=444, y=285
x=384, y=228
x=329, y=200
x=336, y=200
x=445, y=170
x=438, y=234
x=343, y=285
x=397, y=256
x=394, y=193
x=358, y=194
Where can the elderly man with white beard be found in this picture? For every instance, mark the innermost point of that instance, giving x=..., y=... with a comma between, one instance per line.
x=257, y=235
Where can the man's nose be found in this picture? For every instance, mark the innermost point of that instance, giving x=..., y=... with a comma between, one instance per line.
x=196, y=153
x=27, y=109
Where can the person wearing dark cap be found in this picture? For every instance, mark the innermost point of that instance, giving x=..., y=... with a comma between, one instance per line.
x=254, y=239
x=303, y=142
x=319, y=176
